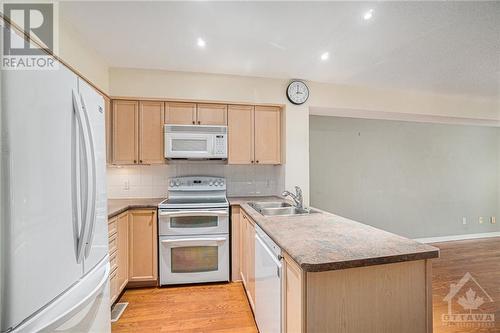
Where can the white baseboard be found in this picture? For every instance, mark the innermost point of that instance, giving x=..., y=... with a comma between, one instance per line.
x=457, y=237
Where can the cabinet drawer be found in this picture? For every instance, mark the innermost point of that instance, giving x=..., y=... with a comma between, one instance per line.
x=112, y=226
x=113, y=244
x=113, y=261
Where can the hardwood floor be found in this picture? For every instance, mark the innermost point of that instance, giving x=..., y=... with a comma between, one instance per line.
x=479, y=257
x=198, y=308
x=224, y=307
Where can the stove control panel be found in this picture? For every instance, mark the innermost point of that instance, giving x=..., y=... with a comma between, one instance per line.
x=197, y=183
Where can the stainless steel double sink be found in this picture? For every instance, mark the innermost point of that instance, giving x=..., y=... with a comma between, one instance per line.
x=279, y=209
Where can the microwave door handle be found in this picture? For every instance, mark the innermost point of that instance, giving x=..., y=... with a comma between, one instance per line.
x=195, y=213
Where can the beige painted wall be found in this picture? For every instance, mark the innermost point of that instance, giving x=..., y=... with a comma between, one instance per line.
x=180, y=85
x=81, y=56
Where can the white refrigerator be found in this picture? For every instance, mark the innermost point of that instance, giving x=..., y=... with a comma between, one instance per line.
x=54, y=237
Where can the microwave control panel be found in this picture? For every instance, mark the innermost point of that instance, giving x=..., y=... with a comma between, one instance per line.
x=220, y=145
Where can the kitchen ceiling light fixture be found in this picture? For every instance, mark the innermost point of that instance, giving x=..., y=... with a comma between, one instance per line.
x=325, y=56
x=368, y=15
x=201, y=42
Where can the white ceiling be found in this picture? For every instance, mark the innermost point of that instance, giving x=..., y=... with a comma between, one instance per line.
x=444, y=47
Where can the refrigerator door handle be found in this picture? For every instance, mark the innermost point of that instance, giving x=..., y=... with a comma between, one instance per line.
x=82, y=235
x=93, y=194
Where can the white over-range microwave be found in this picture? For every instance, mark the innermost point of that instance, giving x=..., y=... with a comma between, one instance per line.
x=195, y=142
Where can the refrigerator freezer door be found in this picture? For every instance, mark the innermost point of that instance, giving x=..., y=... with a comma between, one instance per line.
x=83, y=308
x=97, y=242
x=41, y=229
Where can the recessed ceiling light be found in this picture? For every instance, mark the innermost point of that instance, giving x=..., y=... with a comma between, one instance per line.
x=201, y=43
x=325, y=56
x=368, y=15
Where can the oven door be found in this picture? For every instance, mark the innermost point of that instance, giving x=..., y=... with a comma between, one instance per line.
x=189, y=145
x=177, y=222
x=192, y=259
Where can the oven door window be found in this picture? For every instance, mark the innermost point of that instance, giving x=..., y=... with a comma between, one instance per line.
x=194, y=222
x=189, y=145
x=195, y=259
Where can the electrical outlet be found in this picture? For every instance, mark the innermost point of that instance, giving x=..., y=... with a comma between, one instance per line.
x=481, y=220
x=126, y=185
x=464, y=220
x=493, y=220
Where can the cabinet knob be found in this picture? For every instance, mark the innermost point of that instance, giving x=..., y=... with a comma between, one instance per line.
x=257, y=161
x=140, y=161
x=252, y=161
x=135, y=161
x=194, y=122
x=199, y=122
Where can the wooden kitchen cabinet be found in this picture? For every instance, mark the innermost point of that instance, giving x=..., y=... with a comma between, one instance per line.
x=177, y=113
x=109, y=130
x=151, y=139
x=122, y=256
x=143, y=248
x=118, y=254
x=267, y=135
x=137, y=132
x=247, y=256
x=235, y=243
x=125, y=135
x=293, y=296
x=241, y=134
x=254, y=134
x=211, y=114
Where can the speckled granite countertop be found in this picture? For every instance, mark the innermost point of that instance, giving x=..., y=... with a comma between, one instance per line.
x=323, y=241
x=118, y=206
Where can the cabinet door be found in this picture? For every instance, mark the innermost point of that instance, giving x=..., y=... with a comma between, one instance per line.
x=235, y=243
x=109, y=129
x=293, y=295
x=143, y=241
x=267, y=135
x=180, y=113
x=240, y=125
x=122, y=229
x=211, y=114
x=243, y=242
x=151, y=120
x=251, y=262
x=125, y=148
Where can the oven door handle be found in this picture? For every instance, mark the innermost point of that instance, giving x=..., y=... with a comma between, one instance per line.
x=195, y=213
x=192, y=240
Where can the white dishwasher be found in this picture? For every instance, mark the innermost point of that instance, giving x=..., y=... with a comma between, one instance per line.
x=267, y=283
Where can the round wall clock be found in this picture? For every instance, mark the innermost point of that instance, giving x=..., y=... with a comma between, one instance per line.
x=297, y=92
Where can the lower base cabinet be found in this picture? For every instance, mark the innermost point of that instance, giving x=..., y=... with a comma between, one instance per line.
x=143, y=248
x=247, y=256
x=132, y=250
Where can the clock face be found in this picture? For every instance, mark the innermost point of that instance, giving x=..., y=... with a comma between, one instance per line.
x=297, y=92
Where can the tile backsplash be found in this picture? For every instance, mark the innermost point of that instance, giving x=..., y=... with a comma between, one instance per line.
x=151, y=181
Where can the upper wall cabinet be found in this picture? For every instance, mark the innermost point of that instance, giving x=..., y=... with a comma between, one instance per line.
x=180, y=113
x=125, y=136
x=267, y=120
x=211, y=114
x=241, y=134
x=254, y=134
x=151, y=119
x=137, y=132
